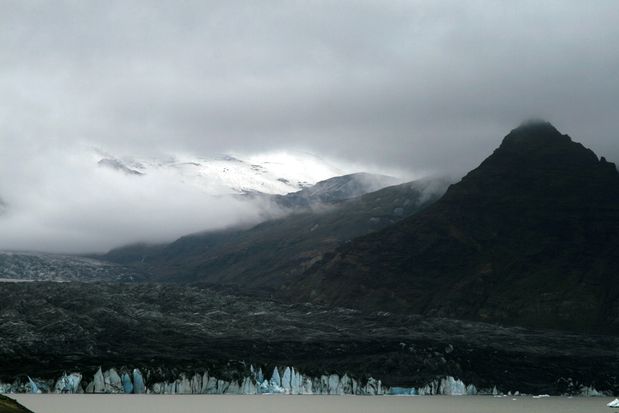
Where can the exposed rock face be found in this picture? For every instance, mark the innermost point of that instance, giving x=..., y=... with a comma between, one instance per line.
x=530, y=237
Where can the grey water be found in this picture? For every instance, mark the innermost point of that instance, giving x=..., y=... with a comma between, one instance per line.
x=52, y=403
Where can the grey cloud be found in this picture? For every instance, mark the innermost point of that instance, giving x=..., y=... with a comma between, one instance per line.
x=424, y=86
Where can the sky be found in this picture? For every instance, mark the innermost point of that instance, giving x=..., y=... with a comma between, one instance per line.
x=410, y=87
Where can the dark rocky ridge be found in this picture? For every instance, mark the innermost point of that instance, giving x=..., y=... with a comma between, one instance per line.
x=166, y=329
x=530, y=237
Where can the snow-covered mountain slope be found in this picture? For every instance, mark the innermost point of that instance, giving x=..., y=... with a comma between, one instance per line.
x=30, y=266
x=222, y=175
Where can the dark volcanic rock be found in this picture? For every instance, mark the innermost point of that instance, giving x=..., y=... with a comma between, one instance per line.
x=530, y=237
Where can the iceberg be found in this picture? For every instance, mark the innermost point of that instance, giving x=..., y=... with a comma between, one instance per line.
x=614, y=403
x=113, y=382
x=248, y=386
x=452, y=387
x=99, y=382
x=286, y=379
x=403, y=391
x=307, y=385
x=205, y=380
x=68, y=384
x=275, y=384
x=183, y=385
x=260, y=376
x=138, y=382
x=127, y=384
x=196, y=384
x=34, y=389
x=211, y=386
x=589, y=391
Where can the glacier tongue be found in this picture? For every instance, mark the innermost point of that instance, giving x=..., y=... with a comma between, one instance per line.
x=283, y=380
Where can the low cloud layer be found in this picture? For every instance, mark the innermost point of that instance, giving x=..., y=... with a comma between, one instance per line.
x=79, y=200
x=414, y=86
x=69, y=204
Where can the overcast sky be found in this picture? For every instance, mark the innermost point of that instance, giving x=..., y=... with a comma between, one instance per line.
x=423, y=86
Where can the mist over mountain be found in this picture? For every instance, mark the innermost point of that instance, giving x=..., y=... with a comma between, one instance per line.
x=81, y=200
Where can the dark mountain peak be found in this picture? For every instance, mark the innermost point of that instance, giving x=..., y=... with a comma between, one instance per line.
x=535, y=132
x=537, y=147
x=529, y=237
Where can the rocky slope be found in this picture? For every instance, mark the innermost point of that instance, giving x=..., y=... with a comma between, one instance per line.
x=275, y=252
x=8, y=405
x=169, y=330
x=530, y=237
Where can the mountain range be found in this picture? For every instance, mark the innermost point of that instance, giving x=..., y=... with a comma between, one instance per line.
x=506, y=279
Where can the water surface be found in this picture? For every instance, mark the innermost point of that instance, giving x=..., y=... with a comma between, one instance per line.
x=52, y=403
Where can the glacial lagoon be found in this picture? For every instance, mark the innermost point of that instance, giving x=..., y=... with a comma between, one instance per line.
x=80, y=403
